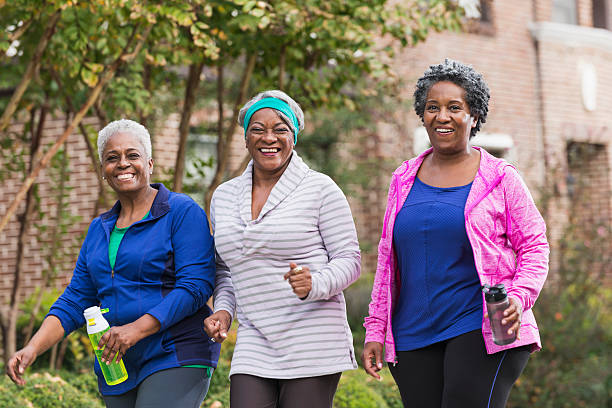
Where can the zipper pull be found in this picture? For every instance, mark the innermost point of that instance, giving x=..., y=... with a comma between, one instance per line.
x=112, y=273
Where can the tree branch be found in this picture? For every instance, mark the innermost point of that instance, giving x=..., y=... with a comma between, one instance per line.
x=191, y=89
x=32, y=67
x=105, y=77
x=224, y=144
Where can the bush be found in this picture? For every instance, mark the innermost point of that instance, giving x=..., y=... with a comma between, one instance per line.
x=573, y=368
x=356, y=390
x=47, y=390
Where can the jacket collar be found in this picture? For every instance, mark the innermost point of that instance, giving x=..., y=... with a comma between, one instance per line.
x=490, y=173
x=288, y=182
x=159, y=207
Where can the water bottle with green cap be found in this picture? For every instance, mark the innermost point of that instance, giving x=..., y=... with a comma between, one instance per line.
x=115, y=372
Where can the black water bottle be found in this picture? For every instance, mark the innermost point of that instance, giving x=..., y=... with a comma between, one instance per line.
x=497, y=301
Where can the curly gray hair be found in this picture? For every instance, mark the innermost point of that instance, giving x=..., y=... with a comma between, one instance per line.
x=125, y=126
x=297, y=111
x=476, y=90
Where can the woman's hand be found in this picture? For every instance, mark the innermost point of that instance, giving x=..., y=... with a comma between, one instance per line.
x=120, y=338
x=21, y=360
x=217, y=324
x=513, y=315
x=300, y=279
x=372, y=358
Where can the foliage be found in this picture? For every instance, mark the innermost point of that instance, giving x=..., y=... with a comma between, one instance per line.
x=49, y=390
x=572, y=369
x=351, y=393
x=78, y=355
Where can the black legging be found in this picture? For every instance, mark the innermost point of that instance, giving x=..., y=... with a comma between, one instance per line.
x=249, y=391
x=458, y=373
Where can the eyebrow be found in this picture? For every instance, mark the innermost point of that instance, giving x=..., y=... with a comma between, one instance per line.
x=130, y=149
x=451, y=101
x=261, y=124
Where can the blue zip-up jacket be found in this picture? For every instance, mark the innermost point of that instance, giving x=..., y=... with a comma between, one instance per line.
x=165, y=267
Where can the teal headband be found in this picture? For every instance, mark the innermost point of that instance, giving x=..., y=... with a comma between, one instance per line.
x=274, y=103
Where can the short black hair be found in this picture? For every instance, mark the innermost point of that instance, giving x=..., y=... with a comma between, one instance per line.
x=476, y=89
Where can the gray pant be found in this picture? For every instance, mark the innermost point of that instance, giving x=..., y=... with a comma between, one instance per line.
x=180, y=387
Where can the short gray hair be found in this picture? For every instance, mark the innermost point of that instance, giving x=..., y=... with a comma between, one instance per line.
x=124, y=126
x=275, y=93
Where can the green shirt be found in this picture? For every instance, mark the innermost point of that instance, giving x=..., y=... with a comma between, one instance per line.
x=115, y=239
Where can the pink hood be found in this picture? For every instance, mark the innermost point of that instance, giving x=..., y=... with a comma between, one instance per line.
x=507, y=234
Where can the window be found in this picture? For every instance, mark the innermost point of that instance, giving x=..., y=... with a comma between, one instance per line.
x=485, y=12
x=564, y=11
x=481, y=21
x=600, y=14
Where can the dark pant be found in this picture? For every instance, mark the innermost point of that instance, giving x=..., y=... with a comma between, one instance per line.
x=183, y=387
x=249, y=391
x=458, y=373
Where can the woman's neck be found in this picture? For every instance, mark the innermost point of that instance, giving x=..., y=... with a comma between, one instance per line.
x=448, y=160
x=134, y=206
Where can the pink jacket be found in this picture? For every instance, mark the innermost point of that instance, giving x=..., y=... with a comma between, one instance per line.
x=508, y=237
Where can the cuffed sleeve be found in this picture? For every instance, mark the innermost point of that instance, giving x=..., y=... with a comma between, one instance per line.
x=224, y=297
x=376, y=321
x=527, y=235
x=337, y=230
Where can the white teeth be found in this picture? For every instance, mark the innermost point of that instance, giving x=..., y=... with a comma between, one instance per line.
x=444, y=130
x=125, y=176
x=264, y=150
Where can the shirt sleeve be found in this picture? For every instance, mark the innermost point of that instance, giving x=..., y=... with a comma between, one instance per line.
x=224, y=297
x=527, y=235
x=376, y=321
x=194, y=266
x=78, y=295
x=337, y=230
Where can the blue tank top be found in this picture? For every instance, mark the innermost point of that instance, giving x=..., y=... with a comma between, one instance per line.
x=440, y=295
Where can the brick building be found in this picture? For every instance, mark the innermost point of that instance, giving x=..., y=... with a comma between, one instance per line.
x=544, y=61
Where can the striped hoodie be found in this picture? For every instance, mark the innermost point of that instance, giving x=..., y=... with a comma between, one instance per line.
x=306, y=220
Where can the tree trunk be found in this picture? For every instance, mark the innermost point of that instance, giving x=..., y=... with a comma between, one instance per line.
x=9, y=322
x=282, y=62
x=224, y=143
x=146, y=82
x=61, y=353
x=91, y=151
x=105, y=77
x=31, y=69
x=191, y=89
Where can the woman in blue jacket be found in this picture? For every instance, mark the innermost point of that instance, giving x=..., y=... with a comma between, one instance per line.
x=150, y=261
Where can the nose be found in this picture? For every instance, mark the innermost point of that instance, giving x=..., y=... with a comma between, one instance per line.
x=443, y=115
x=269, y=136
x=123, y=161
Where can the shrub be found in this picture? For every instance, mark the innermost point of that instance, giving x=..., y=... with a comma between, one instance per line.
x=573, y=368
x=46, y=390
x=354, y=392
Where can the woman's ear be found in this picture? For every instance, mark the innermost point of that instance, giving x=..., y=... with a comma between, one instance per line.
x=474, y=121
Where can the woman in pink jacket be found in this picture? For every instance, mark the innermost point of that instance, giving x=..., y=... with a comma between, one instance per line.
x=457, y=218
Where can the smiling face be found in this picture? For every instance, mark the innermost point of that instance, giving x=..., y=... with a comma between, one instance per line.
x=269, y=141
x=125, y=164
x=447, y=118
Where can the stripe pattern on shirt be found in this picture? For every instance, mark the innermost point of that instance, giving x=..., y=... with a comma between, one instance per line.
x=306, y=220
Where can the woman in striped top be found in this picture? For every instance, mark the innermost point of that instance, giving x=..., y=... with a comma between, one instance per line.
x=286, y=249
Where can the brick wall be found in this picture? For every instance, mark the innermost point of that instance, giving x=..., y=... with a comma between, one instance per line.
x=541, y=124
x=536, y=98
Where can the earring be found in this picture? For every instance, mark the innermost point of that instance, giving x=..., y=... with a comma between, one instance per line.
x=103, y=178
x=151, y=172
